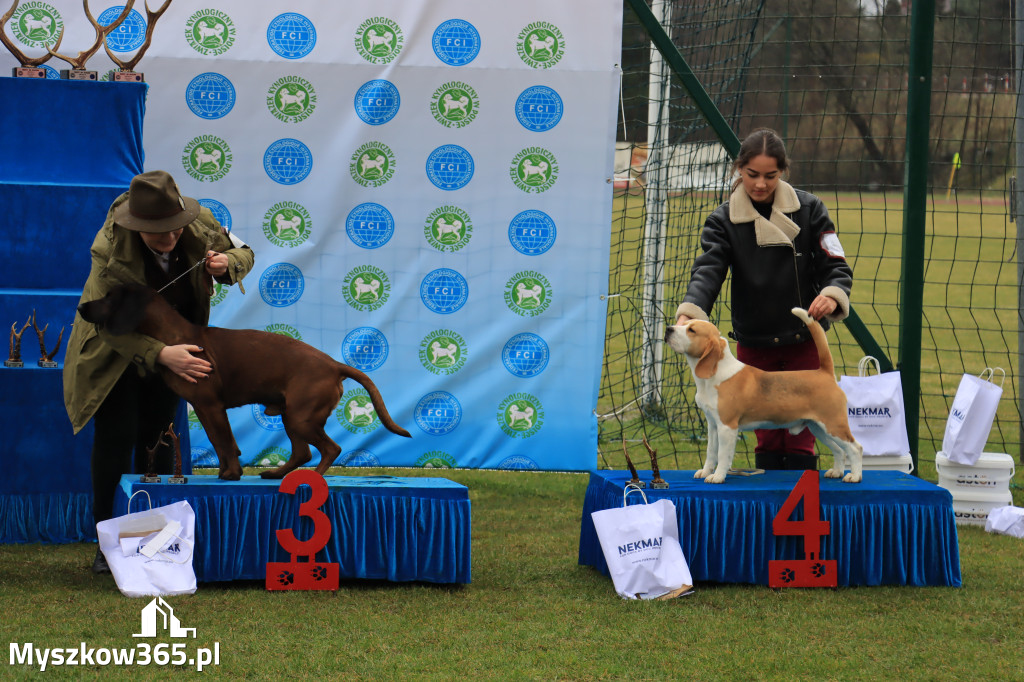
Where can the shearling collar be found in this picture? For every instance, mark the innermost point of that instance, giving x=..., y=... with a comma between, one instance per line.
x=775, y=231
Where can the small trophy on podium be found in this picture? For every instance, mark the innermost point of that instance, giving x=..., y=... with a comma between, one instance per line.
x=151, y=476
x=14, y=358
x=28, y=67
x=635, y=481
x=126, y=69
x=77, y=71
x=46, y=358
x=176, y=477
x=657, y=482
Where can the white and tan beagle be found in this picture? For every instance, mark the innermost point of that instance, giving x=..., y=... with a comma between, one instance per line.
x=736, y=397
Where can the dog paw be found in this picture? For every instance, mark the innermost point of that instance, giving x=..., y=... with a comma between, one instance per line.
x=833, y=473
x=715, y=478
x=702, y=473
x=852, y=478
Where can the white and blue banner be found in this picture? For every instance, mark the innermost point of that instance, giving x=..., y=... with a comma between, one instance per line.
x=427, y=189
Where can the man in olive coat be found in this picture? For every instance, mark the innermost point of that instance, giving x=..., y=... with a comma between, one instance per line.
x=153, y=236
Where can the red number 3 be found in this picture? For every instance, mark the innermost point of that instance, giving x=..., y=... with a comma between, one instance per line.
x=311, y=510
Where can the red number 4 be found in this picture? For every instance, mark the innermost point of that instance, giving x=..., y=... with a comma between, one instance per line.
x=812, y=571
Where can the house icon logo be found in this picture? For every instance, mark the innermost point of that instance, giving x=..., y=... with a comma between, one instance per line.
x=158, y=615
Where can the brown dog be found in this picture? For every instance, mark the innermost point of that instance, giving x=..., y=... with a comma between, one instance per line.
x=736, y=397
x=289, y=377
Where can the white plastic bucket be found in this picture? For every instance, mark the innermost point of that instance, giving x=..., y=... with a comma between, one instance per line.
x=991, y=473
x=973, y=510
x=904, y=463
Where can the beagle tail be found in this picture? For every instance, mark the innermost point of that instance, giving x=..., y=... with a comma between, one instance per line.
x=820, y=341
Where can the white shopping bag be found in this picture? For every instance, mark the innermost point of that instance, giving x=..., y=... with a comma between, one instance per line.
x=640, y=544
x=971, y=416
x=875, y=408
x=150, y=552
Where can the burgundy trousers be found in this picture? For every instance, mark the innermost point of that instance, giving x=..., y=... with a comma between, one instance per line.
x=778, y=359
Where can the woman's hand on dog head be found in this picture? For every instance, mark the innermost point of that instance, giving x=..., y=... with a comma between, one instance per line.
x=683, y=319
x=179, y=359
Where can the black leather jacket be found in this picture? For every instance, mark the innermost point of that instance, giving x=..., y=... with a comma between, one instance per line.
x=770, y=279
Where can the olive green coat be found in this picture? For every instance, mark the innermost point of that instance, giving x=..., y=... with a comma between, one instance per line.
x=95, y=359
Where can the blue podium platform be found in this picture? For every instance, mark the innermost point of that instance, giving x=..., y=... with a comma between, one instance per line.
x=382, y=527
x=889, y=529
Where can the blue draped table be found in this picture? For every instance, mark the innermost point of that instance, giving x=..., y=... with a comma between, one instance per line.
x=382, y=527
x=889, y=529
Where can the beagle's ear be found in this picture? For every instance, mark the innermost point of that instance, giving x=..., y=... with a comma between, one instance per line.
x=708, y=363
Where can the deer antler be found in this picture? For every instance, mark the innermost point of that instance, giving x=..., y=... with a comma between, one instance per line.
x=151, y=18
x=39, y=333
x=101, y=35
x=22, y=59
x=16, y=340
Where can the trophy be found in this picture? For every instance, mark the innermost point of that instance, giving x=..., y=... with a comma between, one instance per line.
x=657, y=482
x=46, y=359
x=150, y=476
x=77, y=71
x=632, y=469
x=126, y=72
x=29, y=68
x=177, y=477
x=14, y=359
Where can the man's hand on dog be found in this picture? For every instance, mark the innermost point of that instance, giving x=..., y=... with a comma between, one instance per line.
x=216, y=263
x=179, y=359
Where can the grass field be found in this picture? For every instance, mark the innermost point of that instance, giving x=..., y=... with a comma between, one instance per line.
x=532, y=613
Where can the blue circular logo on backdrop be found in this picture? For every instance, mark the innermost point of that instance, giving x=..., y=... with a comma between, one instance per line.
x=51, y=73
x=365, y=348
x=539, y=108
x=444, y=291
x=281, y=285
x=219, y=211
x=203, y=458
x=450, y=167
x=377, y=102
x=210, y=95
x=288, y=161
x=129, y=34
x=525, y=355
x=519, y=462
x=532, y=232
x=359, y=458
x=265, y=421
x=370, y=225
x=456, y=42
x=438, y=413
x=291, y=35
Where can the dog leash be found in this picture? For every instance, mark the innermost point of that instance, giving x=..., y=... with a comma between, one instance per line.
x=209, y=243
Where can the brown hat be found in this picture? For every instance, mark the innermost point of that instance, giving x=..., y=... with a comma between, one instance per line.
x=155, y=205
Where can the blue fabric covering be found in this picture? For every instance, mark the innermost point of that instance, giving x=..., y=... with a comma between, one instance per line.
x=51, y=518
x=71, y=133
x=382, y=527
x=890, y=529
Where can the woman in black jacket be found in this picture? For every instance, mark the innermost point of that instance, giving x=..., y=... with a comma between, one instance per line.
x=782, y=249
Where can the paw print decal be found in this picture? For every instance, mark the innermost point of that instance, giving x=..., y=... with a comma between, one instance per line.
x=319, y=573
x=286, y=578
x=818, y=570
x=787, y=575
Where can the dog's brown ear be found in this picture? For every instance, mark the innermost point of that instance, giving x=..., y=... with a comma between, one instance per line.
x=708, y=363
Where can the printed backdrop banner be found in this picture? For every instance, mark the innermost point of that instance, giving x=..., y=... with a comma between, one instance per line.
x=427, y=189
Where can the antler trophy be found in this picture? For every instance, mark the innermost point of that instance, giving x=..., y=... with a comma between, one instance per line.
x=30, y=68
x=176, y=477
x=46, y=358
x=126, y=72
x=150, y=475
x=78, y=72
x=14, y=359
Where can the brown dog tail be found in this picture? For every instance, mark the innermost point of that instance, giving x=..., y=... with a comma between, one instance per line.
x=820, y=341
x=349, y=372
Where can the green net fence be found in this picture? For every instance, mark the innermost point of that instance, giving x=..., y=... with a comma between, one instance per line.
x=831, y=77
